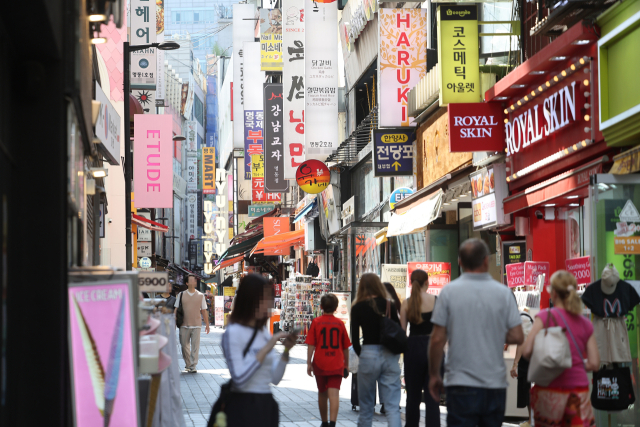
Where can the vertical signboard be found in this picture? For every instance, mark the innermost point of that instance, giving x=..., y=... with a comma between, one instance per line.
x=253, y=137
x=191, y=134
x=458, y=55
x=253, y=105
x=293, y=86
x=402, y=61
x=160, y=83
x=393, y=152
x=192, y=213
x=143, y=31
x=192, y=173
x=257, y=178
x=153, y=161
x=147, y=99
x=108, y=128
x=274, y=226
x=243, y=31
x=208, y=170
x=270, y=40
x=321, y=65
x=274, y=181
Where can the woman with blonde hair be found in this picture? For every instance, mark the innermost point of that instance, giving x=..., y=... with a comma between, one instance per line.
x=565, y=401
x=376, y=363
x=416, y=311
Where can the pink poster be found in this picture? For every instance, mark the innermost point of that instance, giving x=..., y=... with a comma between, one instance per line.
x=532, y=269
x=515, y=274
x=153, y=161
x=581, y=268
x=439, y=275
x=104, y=377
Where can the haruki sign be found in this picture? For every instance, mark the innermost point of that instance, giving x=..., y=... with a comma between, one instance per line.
x=153, y=161
x=476, y=127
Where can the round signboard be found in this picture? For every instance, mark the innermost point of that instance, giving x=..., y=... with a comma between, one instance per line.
x=399, y=194
x=145, y=262
x=313, y=176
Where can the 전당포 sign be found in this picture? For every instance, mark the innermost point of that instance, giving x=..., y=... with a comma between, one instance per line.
x=393, y=152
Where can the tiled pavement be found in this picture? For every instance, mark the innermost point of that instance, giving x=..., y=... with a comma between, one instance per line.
x=296, y=393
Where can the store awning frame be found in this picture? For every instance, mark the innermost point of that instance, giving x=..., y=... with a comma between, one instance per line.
x=305, y=210
x=143, y=222
x=417, y=218
x=228, y=262
x=240, y=248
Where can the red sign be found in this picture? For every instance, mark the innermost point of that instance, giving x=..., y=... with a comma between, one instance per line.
x=275, y=225
x=476, y=127
x=439, y=274
x=515, y=274
x=532, y=269
x=581, y=268
x=277, y=290
x=313, y=176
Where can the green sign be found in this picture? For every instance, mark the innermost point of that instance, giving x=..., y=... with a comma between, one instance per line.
x=259, y=210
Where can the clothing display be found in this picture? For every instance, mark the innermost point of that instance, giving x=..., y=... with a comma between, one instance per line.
x=312, y=269
x=612, y=338
x=623, y=299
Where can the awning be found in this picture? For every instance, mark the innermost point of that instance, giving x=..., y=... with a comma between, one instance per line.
x=143, y=222
x=558, y=186
x=626, y=162
x=228, y=262
x=240, y=248
x=417, y=218
x=381, y=236
x=283, y=240
x=305, y=210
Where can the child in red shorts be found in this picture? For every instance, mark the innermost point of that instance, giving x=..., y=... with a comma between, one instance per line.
x=328, y=339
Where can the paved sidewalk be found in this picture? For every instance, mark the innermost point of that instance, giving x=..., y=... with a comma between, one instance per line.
x=296, y=393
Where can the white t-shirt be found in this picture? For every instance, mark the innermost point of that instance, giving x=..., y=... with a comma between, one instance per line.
x=203, y=307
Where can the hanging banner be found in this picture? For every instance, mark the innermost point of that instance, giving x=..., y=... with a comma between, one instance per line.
x=313, y=176
x=191, y=133
x=402, y=61
x=192, y=172
x=243, y=31
x=192, y=216
x=160, y=83
x=321, y=71
x=393, y=152
x=143, y=32
x=515, y=274
x=271, y=39
x=108, y=128
x=253, y=105
x=275, y=225
x=153, y=161
x=458, y=56
x=476, y=126
x=273, y=142
x=208, y=170
x=439, y=275
x=293, y=86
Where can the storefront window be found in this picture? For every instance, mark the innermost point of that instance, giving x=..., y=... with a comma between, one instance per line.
x=408, y=248
x=365, y=187
x=443, y=247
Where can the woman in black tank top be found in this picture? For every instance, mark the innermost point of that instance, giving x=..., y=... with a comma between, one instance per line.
x=416, y=366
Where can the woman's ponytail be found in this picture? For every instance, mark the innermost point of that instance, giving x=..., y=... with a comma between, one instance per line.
x=565, y=285
x=414, y=310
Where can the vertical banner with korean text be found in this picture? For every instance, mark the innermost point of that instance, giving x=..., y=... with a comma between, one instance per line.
x=192, y=172
x=192, y=216
x=257, y=178
x=243, y=31
x=274, y=181
x=402, y=61
x=293, y=85
x=153, y=161
x=270, y=39
x=321, y=74
x=458, y=56
x=253, y=104
x=208, y=170
x=160, y=82
x=143, y=31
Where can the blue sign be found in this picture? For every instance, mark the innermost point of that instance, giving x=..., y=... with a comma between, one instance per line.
x=393, y=152
x=398, y=195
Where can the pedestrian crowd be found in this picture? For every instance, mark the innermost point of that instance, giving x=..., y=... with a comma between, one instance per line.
x=474, y=315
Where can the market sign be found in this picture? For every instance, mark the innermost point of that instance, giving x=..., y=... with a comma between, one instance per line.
x=459, y=76
x=208, y=170
x=143, y=32
x=153, y=161
x=108, y=128
x=402, y=61
x=533, y=269
x=275, y=181
x=580, y=268
x=313, y=176
x=439, y=275
x=270, y=39
x=398, y=195
x=515, y=274
x=488, y=190
x=476, y=126
x=393, y=152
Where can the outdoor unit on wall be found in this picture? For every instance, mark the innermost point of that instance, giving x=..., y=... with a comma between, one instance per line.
x=522, y=226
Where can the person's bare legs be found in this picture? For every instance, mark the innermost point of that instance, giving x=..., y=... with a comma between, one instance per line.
x=323, y=405
x=334, y=401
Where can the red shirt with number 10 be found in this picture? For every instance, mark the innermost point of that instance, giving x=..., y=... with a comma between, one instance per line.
x=329, y=336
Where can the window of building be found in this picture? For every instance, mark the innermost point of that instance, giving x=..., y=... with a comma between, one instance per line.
x=196, y=16
x=198, y=110
x=176, y=16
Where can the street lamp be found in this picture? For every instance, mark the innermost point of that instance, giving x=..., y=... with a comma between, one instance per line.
x=128, y=174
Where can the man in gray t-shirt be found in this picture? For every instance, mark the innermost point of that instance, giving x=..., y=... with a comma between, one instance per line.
x=477, y=316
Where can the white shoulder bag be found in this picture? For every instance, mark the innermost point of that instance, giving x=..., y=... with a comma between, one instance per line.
x=551, y=353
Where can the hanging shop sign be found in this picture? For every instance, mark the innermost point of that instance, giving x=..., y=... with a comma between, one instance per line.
x=103, y=353
x=160, y=82
x=270, y=39
x=533, y=269
x=348, y=213
x=108, y=128
x=191, y=133
x=253, y=138
x=626, y=242
x=515, y=274
x=330, y=209
x=514, y=252
x=488, y=190
x=192, y=215
x=192, y=172
x=144, y=234
x=476, y=126
x=253, y=105
x=208, y=170
x=293, y=86
x=143, y=32
x=144, y=249
x=402, y=61
x=257, y=178
x=581, y=268
x=153, y=161
x=243, y=31
x=313, y=176
x=398, y=195
x=147, y=99
x=458, y=56
x=396, y=274
x=393, y=152
x=275, y=225
x=179, y=186
x=273, y=140
x=255, y=211
x=439, y=275
x=321, y=71
x=153, y=281
x=215, y=222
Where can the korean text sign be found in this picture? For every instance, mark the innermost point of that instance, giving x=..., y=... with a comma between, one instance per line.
x=476, y=126
x=153, y=161
x=143, y=31
x=581, y=268
x=274, y=181
x=393, y=152
x=103, y=354
x=439, y=274
x=270, y=39
x=192, y=172
x=533, y=269
x=208, y=170
x=402, y=60
x=253, y=137
x=515, y=274
x=253, y=105
x=243, y=31
x=293, y=86
x=259, y=210
x=458, y=54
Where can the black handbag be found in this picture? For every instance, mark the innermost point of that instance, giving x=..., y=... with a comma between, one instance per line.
x=180, y=312
x=392, y=336
x=225, y=389
x=612, y=389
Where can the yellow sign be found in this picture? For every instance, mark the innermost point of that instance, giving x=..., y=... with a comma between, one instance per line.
x=229, y=291
x=208, y=170
x=257, y=166
x=270, y=40
x=626, y=245
x=627, y=162
x=458, y=57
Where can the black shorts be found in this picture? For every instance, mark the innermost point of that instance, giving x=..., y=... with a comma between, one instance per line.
x=252, y=409
x=524, y=386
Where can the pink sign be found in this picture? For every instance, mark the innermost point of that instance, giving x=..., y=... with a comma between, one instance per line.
x=515, y=274
x=104, y=376
x=532, y=269
x=153, y=161
x=439, y=275
x=581, y=268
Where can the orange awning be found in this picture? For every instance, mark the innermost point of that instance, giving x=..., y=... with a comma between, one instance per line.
x=143, y=222
x=228, y=262
x=283, y=240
